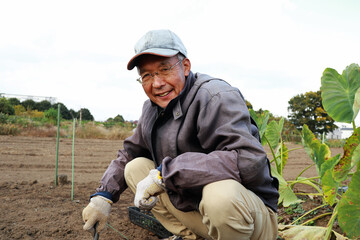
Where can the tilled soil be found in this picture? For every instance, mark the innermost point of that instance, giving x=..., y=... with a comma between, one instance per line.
x=31, y=207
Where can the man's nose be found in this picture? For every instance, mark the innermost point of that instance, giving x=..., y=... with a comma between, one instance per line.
x=157, y=81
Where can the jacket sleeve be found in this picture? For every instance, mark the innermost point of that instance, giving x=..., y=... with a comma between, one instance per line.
x=230, y=151
x=113, y=180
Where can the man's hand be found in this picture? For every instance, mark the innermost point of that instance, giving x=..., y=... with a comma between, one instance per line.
x=147, y=189
x=97, y=210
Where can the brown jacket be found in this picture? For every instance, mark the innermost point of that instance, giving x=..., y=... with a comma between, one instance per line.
x=204, y=135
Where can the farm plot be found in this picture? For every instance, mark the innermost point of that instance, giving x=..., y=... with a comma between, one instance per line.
x=32, y=208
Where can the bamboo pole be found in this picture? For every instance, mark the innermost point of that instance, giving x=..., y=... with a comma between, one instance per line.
x=73, y=163
x=57, y=146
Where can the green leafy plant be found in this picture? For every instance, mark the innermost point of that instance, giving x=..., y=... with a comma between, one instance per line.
x=341, y=99
x=271, y=134
x=51, y=115
x=341, y=94
x=6, y=107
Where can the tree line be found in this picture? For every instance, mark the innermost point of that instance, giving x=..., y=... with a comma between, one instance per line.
x=8, y=106
x=305, y=108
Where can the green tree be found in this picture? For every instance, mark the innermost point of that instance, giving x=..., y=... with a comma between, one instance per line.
x=65, y=113
x=29, y=104
x=308, y=109
x=51, y=115
x=6, y=107
x=14, y=101
x=43, y=105
x=119, y=118
x=85, y=114
x=73, y=113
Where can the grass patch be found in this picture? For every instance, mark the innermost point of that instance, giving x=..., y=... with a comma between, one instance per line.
x=8, y=129
x=335, y=143
x=42, y=127
x=92, y=130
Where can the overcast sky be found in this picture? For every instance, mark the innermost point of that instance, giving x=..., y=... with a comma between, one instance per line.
x=77, y=51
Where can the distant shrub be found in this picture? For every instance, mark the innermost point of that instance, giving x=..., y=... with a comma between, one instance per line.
x=8, y=129
x=6, y=107
x=92, y=130
x=119, y=133
x=19, y=110
x=44, y=127
x=3, y=118
x=47, y=131
x=51, y=115
x=35, y=114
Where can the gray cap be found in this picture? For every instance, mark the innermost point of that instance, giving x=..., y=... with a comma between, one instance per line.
x=162, y=43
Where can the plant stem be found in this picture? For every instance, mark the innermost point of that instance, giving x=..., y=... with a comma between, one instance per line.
x=281, y=156
x=331, y=223
x=317, y=217
x=290, y=150
x=354, y=127
x=308, y=212
x=304, y=170
x=302, y=180
x=272, y=152
x=306, y=181
x=307, y=194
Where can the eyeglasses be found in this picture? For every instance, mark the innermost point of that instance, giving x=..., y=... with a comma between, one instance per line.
x=162, y=72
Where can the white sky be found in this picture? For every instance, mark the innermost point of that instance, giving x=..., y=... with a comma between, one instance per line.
x=77, y=51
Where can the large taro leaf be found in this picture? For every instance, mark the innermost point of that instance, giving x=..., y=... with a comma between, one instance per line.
x=287, y=196
x=291, y=232
x=340, y=93
x=318, y=152
x=282, y=156
x=349, y=208
x=273, y=133
x=328, y=184
x=261, y=122
x=350, y=158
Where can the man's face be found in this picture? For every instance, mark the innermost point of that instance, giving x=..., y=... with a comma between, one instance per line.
x=162, y=89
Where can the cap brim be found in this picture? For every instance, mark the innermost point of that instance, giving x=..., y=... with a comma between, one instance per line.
x=153, y=51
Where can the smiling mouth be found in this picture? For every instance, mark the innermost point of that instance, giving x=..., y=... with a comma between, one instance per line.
x=164, y=94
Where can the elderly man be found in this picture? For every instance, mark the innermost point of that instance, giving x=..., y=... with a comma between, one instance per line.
x=195, y=158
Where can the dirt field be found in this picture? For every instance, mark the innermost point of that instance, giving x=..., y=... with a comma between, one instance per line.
x=31, y=207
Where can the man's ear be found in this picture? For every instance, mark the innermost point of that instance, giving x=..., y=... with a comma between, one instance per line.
x=187, y=66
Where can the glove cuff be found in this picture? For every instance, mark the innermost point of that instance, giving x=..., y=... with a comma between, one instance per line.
x=103, y=194
x=157, y=178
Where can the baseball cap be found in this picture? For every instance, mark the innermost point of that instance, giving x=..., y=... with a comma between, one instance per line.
x=162, y=43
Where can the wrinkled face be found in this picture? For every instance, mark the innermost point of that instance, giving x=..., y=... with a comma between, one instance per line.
x=161, y=89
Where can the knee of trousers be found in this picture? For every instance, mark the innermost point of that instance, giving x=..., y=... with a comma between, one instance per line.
x=223, y=207
x=218, y=207
x=137, y=169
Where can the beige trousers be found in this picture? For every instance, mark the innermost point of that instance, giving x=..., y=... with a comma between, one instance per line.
x=227, y=211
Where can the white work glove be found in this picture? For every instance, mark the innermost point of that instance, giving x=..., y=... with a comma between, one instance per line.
x=147, y=189
x=98, y=210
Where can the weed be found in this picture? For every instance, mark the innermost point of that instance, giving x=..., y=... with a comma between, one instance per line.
x=8, y=129
x=295, y=209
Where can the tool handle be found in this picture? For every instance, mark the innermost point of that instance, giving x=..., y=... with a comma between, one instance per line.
x=96, y=234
